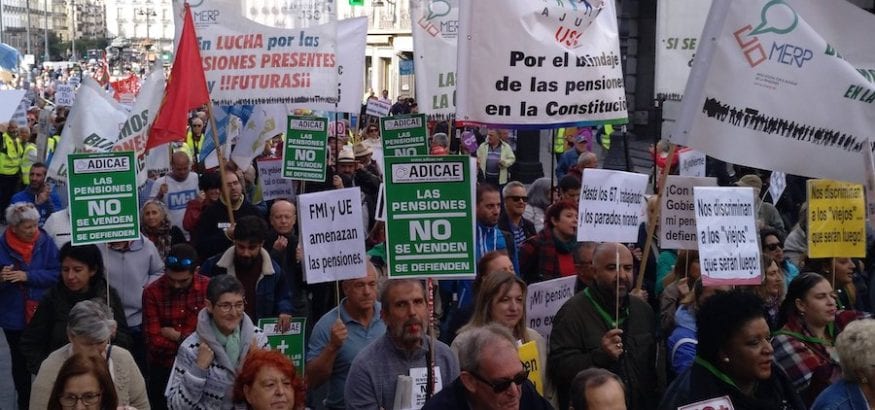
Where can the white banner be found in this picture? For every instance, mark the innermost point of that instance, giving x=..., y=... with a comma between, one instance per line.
x=135, y=130
x=729, y=251
x=266, y=122
x=677, y=217
x=352, y=39
x=435, y=35
x=9, y=102
x=289, y=13
x=679, y=24
x=543, y=300
x=767, y=90
x=332, y=235
x=92, y=126
x=271, y=181
x=692, y=163
x=64, y=95
x=611, y=206
x=539, y=64
x=249, y=63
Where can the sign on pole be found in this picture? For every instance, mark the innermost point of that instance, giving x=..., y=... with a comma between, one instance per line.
x=836, y=219
x=273, y=185
x=290, y=343
x=677, y=218
x=543, y=300
x=378, y=108
x=404, y=136
x=610, y=206
x=103, y=197
x=332, y=235
x=64, y=95
x=305, y=155
x=729, y=251
x=692, y=163
x=429, y=217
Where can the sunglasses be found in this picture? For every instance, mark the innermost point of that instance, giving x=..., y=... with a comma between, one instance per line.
x=517, y=198
x=499, y=387
x=774, y=246
x=175, y=263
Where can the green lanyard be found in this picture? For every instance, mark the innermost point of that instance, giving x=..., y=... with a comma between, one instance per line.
x=830, y=329
x=604, y=315
x=716, y=372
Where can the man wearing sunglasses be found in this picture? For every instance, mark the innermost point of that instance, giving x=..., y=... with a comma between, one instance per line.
x=170, y=308
x=492, y=376
x=511, y=219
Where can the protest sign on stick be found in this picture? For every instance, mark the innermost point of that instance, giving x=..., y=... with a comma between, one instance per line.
x=103, y=197
x=332, y=235
x=404, y=135
x=836, y=219
x=304, y=155
x=729, y=251
x=543, y=300
x=677, y=216
x=273, y=185
x=610, y=206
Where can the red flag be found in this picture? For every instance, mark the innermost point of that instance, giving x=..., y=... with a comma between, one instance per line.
x=186, y=89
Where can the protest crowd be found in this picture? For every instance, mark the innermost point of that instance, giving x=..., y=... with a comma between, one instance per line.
x=223, y=297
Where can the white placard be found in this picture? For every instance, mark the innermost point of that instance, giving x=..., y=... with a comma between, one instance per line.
x=719, y=403
x=748, y=98
x=777, y=184
x=677, y=217
x=9, y=101
x=729, y=251
x=420, y=381
x=543, y=300
x=678, y=27
x=378, y=108
x=549, y=63
x=271, y=181
x=610, y=206
x=692, y=163
x=64, y=95
x=332, y=235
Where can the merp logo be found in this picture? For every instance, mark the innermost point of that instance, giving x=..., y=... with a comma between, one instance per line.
x=205, y=17
x=775, y=17
x=434, y=25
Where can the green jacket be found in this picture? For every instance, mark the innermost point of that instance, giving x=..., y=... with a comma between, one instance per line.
x=507, y=159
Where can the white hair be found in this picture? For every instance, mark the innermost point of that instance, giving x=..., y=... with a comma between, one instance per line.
x=20, y=212
x=856, y=348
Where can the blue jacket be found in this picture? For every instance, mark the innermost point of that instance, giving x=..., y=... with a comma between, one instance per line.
x=683, y=341
x=566, y=161
x=42, y=273
x=841, y=395
x=46, y=208
x=272, y=295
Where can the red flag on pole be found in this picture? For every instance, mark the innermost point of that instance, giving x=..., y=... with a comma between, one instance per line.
x=186, y=88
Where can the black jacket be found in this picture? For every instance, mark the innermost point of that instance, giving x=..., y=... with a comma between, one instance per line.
x=453, y=397
x=211, y=239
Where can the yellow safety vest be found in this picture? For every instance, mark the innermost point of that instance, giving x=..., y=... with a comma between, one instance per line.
x=559, y=141
x=28, y=158
x=10, y=155
x=51, y=144
x=189, y=145
x=606, y=136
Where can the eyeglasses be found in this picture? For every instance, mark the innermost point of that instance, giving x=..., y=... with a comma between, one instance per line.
x=372, y=130
x=175, y=263
x=517, y=198
x=196, y=125
x=774, y=246
x=500, y=387
x=226, y=307
x=88, y=399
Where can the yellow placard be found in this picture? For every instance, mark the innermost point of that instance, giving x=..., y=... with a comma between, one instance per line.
x=532, y=362
x=836, y=219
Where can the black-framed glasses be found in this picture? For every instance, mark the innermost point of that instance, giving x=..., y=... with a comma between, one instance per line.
x=522, y=198
x=172, y=262
x=501, y=386
x=774, y=246
x=88, y=399
x=227, y=306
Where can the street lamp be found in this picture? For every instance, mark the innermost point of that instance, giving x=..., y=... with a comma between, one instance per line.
x=147, y=13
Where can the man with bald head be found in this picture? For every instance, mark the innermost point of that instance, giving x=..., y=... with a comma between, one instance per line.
x=281, y=244
x=176, y=188
x=588, y=333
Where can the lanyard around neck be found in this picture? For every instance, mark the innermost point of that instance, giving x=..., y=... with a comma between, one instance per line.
x=604, y=314
x=830, y=330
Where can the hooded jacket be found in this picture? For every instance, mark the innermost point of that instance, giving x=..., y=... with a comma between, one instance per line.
x=683, y=340
x=271, y=291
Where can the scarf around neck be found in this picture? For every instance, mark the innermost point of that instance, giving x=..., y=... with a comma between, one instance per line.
x=24, y=248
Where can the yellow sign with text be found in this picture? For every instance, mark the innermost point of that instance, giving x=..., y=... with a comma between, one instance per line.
x=836, y=219
x=532, y=362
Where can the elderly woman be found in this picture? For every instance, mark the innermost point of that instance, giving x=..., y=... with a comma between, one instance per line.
x=856, y=350
x=155, y=225
x=733, y=359
x=548, y=254
x=772, y=289
x=440, y=144
x=810, y=322
x=89, y=328
x=501, y=298
x=209, y=359
x=268, y=381
x=29, y=263
x=82, y=278
x=83, y=382
x=540, y=197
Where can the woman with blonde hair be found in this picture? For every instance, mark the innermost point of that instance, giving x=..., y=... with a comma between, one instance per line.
x=501, y=298
x=155, y=225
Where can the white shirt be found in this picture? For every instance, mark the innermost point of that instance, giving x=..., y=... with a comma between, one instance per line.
x=177, y=196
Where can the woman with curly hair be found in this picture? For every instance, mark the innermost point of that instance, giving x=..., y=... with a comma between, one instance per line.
x=268, y=381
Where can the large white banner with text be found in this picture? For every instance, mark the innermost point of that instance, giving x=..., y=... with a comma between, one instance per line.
x=435, y=35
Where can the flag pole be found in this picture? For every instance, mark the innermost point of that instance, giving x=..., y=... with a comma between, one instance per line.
x=225, y=194
x=651, y=225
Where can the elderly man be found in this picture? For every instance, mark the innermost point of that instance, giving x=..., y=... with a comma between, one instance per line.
x=583, y=266
x=263, y=281
x=494, y=158
x=403, y=351
x=597, y=389
x=281, y=244
x=194, y=141
x=342, y=333
x=176, y=188
x=491, y=377
x=511, y=219
x=587, y=332
x=39, y=193
x=581, y=140
x=214, y=230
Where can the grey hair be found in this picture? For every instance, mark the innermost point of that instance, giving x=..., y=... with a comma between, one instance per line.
x=440, y=138
x=20, y=212
x=539, y=193
x=222, y=284
x=92, y=320
x=579, y=246
x=390, y=284
x=471, y=344
x=511, y=185
x=856, y=348
x=587, y=156
x=588, y=379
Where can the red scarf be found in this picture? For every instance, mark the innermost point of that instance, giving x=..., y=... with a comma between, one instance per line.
x=25, y=249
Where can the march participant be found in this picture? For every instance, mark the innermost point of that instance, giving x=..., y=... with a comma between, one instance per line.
x=214, y=230
x=210, y=186
x=11, y=152
x=597, y=389
x=494, y=159
x=281, y=244
x=549, y=254
x=40, y=193
x=176, y=188
x=856, y=352
x=511, y=218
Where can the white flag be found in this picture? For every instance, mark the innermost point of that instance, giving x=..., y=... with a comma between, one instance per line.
x=266, y=122
x=135, y=130
x=435, y=35
x=777, y=184
x=92, y=126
